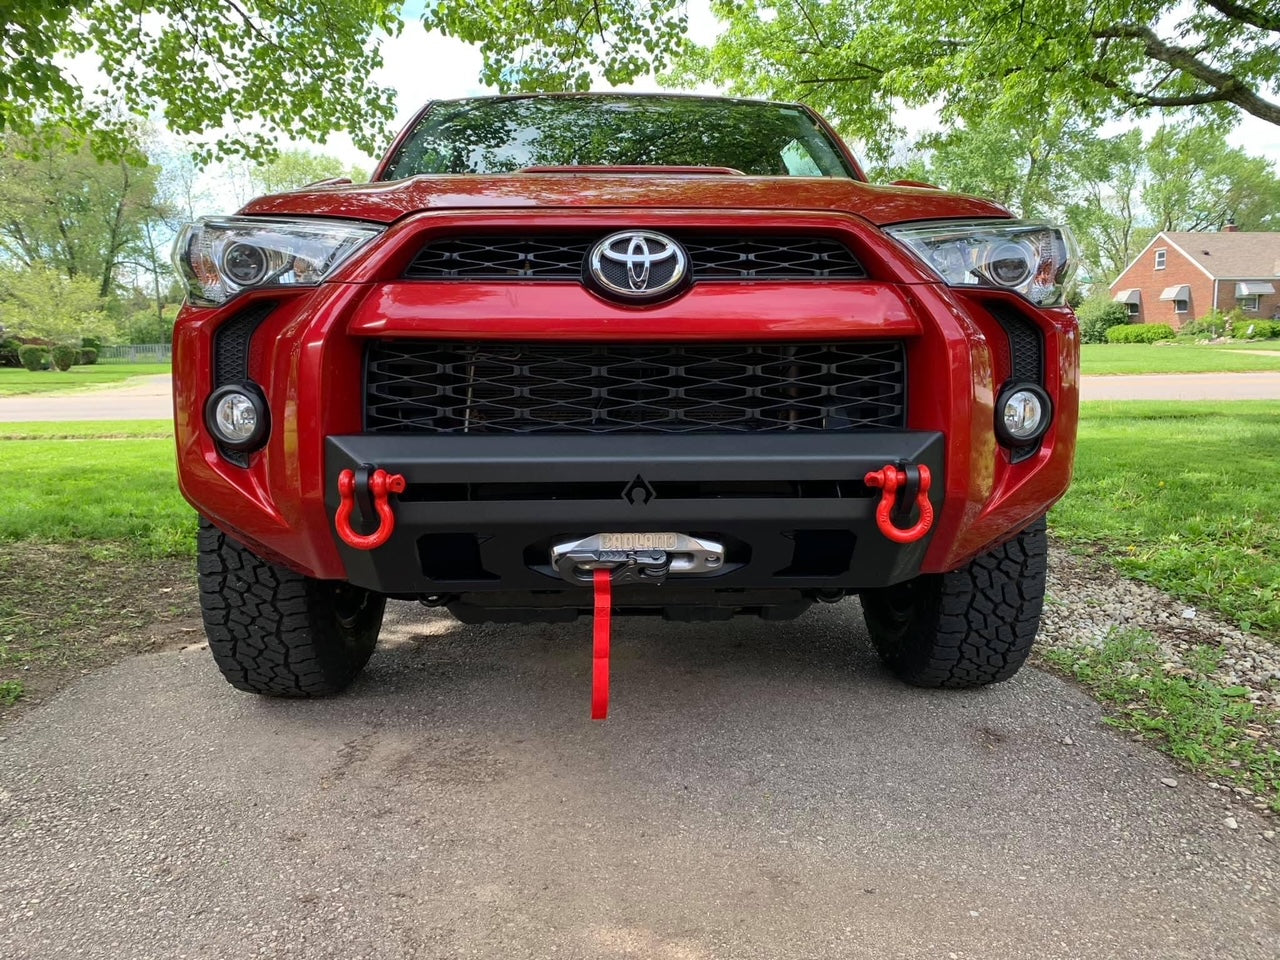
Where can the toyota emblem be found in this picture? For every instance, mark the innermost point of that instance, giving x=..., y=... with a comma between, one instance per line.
x=637, y=265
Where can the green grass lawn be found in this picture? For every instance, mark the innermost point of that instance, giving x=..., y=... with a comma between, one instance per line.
x=1187, y=497
x=1117, y=358
x=93, y=486
x=87, y=430
x=96, y=550
x=17, y=382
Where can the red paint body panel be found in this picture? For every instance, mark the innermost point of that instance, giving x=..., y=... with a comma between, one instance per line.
x=390, y=201
x=308, y=356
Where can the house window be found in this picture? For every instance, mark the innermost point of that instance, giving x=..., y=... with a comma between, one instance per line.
x=1248, y=303
x=1134, y=309
x=1160, y=256
x=1180, y=306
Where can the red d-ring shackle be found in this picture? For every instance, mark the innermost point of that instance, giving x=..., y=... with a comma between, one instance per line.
x=889, y=478
x=380, y=484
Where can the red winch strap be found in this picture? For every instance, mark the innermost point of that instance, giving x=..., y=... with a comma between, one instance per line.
x=603, y=580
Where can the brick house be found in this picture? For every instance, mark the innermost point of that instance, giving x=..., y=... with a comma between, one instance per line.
x=1182, y=276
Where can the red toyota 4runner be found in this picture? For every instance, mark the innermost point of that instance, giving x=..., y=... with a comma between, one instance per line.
x=622, y=354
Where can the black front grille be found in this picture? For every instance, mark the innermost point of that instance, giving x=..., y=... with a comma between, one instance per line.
x=425, y=387
x=550, y=256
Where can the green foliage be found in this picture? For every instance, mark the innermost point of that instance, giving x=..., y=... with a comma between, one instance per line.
x=1183, y=495
x=1197, y=181
x=1027, y=160
x=10, y=692
x=1214, y=728
x=300, y=67
x=1212, y=324
x=64, y=357
x=1103, y=204
x=41, y=303
x=1097, y=316
x=860, y=62
x=88, y=356
x=9, y=347
x=1258, y=329
x=33, y=358
x=1140, y=333
x=290, y=169
x=62, y=208
x=556, y=44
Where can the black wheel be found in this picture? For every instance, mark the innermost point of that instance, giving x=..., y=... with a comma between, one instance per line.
x=275, y=632
x=966, y=628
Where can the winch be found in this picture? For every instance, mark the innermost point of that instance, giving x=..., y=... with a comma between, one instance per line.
x=605, y=559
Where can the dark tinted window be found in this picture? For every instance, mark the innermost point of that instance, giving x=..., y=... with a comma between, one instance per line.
x=502, y=135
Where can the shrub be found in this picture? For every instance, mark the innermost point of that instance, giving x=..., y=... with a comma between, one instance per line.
x=88, y=357
x=64, y=357
x=1098, y=316
x=91, y=343
x=1140, y=333
x=33, y=357
x=1258, y=329
x=1212, y=324
x=9, y=348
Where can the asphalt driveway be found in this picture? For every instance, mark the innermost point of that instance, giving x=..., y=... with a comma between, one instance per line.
x=760, y=790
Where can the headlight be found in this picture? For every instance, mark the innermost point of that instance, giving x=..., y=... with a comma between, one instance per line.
x=220, y=257
x=1033, y=258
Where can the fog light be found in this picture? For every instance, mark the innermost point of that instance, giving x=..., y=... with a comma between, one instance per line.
x=1022, y=415
x=237, y=416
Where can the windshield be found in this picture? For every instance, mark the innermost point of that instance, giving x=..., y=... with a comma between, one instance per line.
x=507, y=134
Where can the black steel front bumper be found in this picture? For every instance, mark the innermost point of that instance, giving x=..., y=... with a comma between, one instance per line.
x=480, y=513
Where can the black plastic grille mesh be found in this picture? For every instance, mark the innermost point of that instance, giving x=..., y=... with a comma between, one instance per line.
x=231, y=342
x=424, y=387
x=561, y=257
x=1026, y=359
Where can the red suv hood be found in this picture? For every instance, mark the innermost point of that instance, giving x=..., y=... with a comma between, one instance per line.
x=387, y=202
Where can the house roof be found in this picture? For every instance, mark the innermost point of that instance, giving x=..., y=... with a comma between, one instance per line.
x=1244, y=256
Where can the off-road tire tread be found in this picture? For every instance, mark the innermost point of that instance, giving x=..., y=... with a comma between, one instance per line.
x=270, y=628
x=970, y=627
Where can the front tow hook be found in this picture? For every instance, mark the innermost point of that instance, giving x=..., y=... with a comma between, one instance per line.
x=889, y=479
x=373, y=489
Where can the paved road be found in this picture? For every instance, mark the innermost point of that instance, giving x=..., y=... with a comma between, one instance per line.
x=147, y=398
x=760, y=791
x=153, y=400
x=1183, y=386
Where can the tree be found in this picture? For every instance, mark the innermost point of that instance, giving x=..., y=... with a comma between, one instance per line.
x=557, y=44
x=861, y=60
x=291, y=169
x=1105, y=211
x=301, y=67
x=1026, y=161
x=42, y=303
x=1197, y=181
x=63, y=209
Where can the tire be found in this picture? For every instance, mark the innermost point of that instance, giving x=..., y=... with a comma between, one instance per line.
x=967, y=628
x=277, y=633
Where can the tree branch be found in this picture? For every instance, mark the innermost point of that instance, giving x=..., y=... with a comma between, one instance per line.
x=1238, y=11
x=1224, y=87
